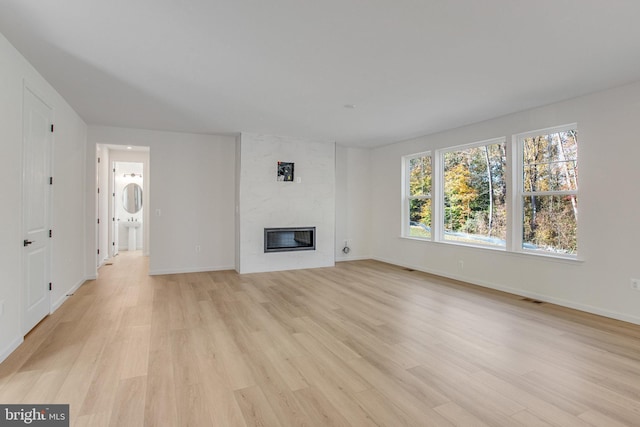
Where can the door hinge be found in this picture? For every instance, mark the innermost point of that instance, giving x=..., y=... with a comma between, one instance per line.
x=113, y=194
x=113, y=243
x=51, y=127
x=98, y=220
x=98, y=159
x=98, y=251
x=50, y=286
x=50, y=180
x=114, y=169
x=50, y=233
x=98, y=191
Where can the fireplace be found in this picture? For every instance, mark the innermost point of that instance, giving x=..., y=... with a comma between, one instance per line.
x=289, y=239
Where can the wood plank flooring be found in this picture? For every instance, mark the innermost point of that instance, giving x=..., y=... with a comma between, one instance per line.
x=361, y=344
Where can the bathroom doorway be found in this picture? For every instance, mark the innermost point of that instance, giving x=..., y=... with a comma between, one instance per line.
x=123, y=213
x=128, y=207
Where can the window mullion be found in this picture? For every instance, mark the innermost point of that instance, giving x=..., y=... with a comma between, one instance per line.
x=437, y=187
x=515, y=214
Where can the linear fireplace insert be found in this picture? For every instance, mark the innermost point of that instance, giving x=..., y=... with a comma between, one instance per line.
x=289, y=239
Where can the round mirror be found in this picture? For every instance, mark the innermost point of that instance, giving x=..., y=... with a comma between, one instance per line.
x=132, y=198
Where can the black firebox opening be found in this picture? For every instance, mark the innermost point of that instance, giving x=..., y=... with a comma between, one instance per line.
x=289, y=239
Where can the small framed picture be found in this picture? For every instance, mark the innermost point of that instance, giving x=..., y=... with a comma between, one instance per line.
x=285, y=171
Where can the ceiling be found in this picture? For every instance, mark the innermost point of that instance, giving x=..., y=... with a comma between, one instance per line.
x=289, y=67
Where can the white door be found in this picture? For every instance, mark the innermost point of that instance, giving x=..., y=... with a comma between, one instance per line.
x=36, y=191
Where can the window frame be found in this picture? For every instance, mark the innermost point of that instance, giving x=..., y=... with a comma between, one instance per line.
x=514, y=176
x=407, y=197
x=439, y=177
x=517, y=196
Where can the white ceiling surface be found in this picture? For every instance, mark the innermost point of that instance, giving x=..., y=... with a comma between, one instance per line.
x=288, y=67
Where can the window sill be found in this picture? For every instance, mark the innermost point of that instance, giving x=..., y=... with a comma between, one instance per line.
x=546, y=256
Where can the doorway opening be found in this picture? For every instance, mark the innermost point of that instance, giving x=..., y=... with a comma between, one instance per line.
x=123, y=200
x=128, y=180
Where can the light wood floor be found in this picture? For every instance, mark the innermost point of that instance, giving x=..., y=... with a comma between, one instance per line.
x=361, y=344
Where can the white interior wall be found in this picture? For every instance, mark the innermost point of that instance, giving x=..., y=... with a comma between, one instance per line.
x=238, y=168
x=70, y=220
x=352, y=166
x=69, y=194
x=609, y=206
x=193, y=192
x=308, y=201
x=353, y=203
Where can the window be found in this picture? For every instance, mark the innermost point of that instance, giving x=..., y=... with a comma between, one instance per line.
x=474, y=194
x=521, y=196
x=418, y=195
x=548, y=190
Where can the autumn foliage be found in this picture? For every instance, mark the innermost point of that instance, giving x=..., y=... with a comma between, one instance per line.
x=475, y=193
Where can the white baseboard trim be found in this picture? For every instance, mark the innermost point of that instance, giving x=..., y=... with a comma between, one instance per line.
x=56, y=305
x=191, y=270
x=520, y=292
x=10, y=348
x=351, y=258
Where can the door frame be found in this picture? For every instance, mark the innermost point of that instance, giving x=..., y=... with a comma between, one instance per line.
x=115, y=237
x=138, y=154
